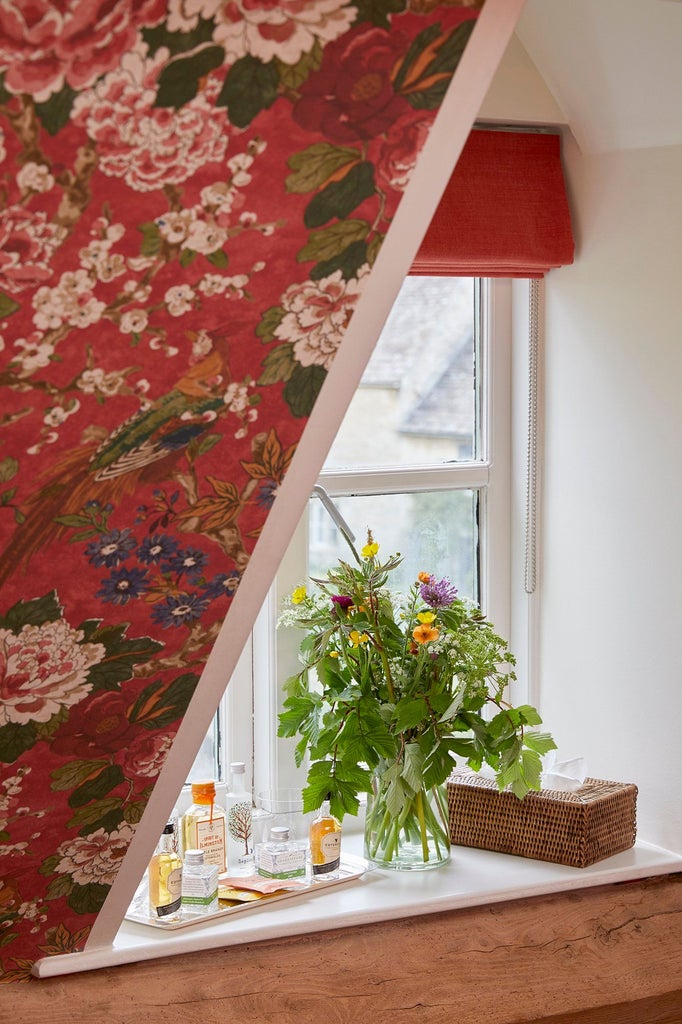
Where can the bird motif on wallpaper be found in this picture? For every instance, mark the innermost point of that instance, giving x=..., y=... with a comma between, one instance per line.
x=143, y=449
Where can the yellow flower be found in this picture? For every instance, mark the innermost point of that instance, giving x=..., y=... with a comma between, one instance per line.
x=357, y=638
x=370, y=550
x=425, y=633
x=298, y=595
x=333, y=654
x=426, y=616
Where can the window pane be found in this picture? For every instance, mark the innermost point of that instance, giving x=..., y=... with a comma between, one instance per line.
x=435, y=531
x=418, y=390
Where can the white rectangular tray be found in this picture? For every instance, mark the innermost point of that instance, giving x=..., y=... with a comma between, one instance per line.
x=351, y=868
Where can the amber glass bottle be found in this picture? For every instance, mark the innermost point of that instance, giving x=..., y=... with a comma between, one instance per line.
x=325, y=845
x=204, y=827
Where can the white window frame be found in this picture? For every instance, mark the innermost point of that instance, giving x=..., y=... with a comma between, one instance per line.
x=274, y=656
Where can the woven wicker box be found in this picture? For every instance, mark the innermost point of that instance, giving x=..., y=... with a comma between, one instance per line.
x=576, y=828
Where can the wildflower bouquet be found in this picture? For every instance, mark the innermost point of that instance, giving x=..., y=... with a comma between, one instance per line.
x=393, y=689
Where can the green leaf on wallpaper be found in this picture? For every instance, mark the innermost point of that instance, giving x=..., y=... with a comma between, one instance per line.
x=249, y=87
x=340, y=198
x=292, y=76
x=218, y=258
x=55, y=112
x=7, y=305
x=186, y=257
x=71, y=775
x=279, y=364
x=378, y=11
x=15, y=740
x=160, y=705
x=88, y=899
x=107, y=778
x=122, y=654
x=330, y=241
x=59, y=887
x=202, y=445
x=314, y=166
x=32, y=613
x=301, y=390
x=151, y=239
x=440, y=71
x=179, y=78
x=92, y=815
x=269, y=322
x=416, y=48
x=9, y=467
x=134, y=811
x=348, y=262
x=5, y=96
x=177, y=42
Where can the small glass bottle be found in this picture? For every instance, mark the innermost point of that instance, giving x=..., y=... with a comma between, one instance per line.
x=199, y=885
x=204, y=825
x=281, y=857
x=325, y=845
x=239, y=806
x=165, y=877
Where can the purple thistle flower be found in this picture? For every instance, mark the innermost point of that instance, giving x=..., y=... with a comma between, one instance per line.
x=438, y=593
x=342, y=601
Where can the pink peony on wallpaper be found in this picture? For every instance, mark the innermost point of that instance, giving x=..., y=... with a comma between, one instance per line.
x=193, y=196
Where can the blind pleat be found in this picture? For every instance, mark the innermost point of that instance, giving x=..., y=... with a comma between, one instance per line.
x=504, y=212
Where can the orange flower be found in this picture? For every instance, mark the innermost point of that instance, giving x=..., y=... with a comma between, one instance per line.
x=424, y=633
x=424, y=577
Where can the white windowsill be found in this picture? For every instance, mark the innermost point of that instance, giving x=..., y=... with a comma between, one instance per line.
x=472, y=878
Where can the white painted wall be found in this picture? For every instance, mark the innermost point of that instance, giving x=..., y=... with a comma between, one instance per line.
x=611, y=567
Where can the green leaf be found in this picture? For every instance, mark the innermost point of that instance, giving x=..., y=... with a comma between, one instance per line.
x=74, y=774
x=88, y=899
x=177, y=42
x=187, y=257
x=89, y=817
x=330, y=241
x=55, y=112
x=49, y=865
x=413, y=766
x=108, y=778
x=410, y=712
x=278, y=365
x=59, y=887
x=541, y=742
x=528, y=715
x=314, y=166
x=348, y=262
x=301, y=390
x=9, y=467
x=35, y=612
x=218, y=258
x=7, y=305
x=269, y=322
x=378, y=12
x=180, y=77
x=134, y=811
x=249, y=87
x=6, y=496
x=292, y=76
x=151, y=239
x=15, y=740
x=159, y=705
x=340, y=198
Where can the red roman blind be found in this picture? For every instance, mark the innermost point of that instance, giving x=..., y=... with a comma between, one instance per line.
x=504, y=212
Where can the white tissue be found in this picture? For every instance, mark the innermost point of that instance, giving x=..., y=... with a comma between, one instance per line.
x=565, y=776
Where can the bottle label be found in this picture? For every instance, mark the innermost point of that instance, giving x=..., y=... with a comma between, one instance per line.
x=200, y=891
x=281, y=863
x=211, y=839
x=330, y=848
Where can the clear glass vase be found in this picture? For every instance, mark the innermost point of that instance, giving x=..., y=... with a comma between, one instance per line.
x=416, y=840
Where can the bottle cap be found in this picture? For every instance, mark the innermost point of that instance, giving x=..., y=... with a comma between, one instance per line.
x=194, y=856
x=279, y=833
x=239, y=767
x=203, y=792
x=169, y=829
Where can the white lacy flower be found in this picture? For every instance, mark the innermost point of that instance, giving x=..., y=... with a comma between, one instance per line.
x=174, y=226
x=179, y=299
x=43, y=669
x=94, y=858
x=134, y=321
x=317, y=314
x=285, y=30
x=205, y=237
x=34, y=177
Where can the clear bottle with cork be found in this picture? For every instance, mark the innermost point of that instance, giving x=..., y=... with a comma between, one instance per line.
x=325, y=845
x=204, y=825
x=239, y=807
x=199, y=885
x=165, y=877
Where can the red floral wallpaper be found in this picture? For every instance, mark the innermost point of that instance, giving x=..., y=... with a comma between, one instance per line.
x=193, y=196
